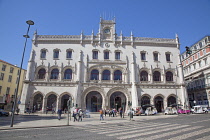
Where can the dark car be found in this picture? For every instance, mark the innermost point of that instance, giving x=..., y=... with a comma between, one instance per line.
x=4, y=113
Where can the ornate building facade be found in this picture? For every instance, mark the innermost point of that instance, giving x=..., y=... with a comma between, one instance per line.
x=103, y=70
x=197, y=72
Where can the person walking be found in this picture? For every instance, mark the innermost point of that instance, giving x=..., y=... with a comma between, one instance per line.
x=121, y=112
x=59, y=114
x=101, y=114
x=75, y=114
x=80, y=114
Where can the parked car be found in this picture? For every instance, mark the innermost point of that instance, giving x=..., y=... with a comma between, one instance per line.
x=183, y=111
x=4, y=113
x=170, y=111
x=199, y=109
x=151, y=111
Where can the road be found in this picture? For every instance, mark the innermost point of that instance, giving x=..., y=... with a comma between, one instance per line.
x=190, y=127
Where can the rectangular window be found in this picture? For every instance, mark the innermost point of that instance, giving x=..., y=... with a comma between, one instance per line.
x=10, y=78
x=95, y=54
x=168, y=59
x=56, y=54
x=106, y=55
x=4, y=67
x=18, y=73
x=43, y=54
x=11, y=69
x=155, y=56
x=0, y=89
x=17, y=80
x=15, y=91
x=8, y=89
x=117, y=55
x=2, y=76
x=143, y=56
x=69, y=54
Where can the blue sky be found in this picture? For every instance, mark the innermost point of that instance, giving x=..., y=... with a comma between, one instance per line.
x=190, y=19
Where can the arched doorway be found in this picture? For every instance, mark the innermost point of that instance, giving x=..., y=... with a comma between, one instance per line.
x=93, y=101
x=51, y=102
x=159, y=103
x=145, y=100
x=37, y=103
x=117, y=100
x=64, y=101
x=171, y=100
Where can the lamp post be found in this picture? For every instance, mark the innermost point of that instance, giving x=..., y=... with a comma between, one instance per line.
x=69, y=102
x=29, y=22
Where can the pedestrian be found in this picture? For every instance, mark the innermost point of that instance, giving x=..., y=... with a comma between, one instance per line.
x=75, y=114
x=47, y=110
x=121, y=112
x=105, y=112
x=101, y=114
x=59, y=114
x=80, y=114
x=17, y=110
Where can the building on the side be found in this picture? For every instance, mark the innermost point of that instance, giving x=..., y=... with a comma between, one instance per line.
x=103, y=70
x=9, y=75
x=196, y=66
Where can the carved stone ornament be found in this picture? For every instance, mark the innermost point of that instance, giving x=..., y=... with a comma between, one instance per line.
x=107, y=45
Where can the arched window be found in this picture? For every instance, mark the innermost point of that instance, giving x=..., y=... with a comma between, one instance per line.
x=156, y=76
x=169, y=76
x=54, y=74
x=117, y=75
x=41, y=73
x=94, y=75
x=106, y=75
x=143, y=76
x=68, y=74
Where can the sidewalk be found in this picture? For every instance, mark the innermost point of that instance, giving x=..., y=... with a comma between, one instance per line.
x=25, y=121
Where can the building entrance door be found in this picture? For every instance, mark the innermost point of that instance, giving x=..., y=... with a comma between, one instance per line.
x=159, y=103
x=117, y=100
x=93, y=101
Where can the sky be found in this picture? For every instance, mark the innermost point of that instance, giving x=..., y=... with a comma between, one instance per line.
x=190, y=19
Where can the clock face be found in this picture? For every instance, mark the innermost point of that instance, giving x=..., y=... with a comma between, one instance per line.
x=106, y=31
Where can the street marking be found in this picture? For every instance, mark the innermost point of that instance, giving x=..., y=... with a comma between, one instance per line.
x=171, y=133
x=129, y=129
x=185, y=136
x=160, y=129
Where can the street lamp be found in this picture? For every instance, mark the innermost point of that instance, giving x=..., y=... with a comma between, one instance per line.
x=194, y=102
x=29, y=22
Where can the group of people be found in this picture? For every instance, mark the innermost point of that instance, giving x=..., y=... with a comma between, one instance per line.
x=111, y=112
x=77, y=114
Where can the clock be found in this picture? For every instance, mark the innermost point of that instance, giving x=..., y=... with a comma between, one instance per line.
x=106, y=31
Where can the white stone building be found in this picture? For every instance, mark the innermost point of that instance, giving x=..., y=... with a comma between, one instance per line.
x=103, y=70
x=197, y=72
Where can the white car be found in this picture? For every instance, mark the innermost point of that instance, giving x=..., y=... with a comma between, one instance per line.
x=199, y=109
x=170, y=111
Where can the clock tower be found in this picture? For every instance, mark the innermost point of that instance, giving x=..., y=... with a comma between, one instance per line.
x=107, y=29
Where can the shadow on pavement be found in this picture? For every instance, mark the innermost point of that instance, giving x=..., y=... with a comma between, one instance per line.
x=6, y=120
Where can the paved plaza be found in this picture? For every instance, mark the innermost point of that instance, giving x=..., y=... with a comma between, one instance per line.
x=157, y=127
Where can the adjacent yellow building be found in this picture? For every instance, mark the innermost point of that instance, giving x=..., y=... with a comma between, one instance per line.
x=9, y=75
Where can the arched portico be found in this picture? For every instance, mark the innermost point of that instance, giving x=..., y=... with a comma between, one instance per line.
x=93, y=94
x=117, y=97
x=63, y=99
x=159, y=102
x=171, y=100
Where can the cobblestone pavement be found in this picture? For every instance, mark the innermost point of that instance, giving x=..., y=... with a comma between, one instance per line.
x=160, y=127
